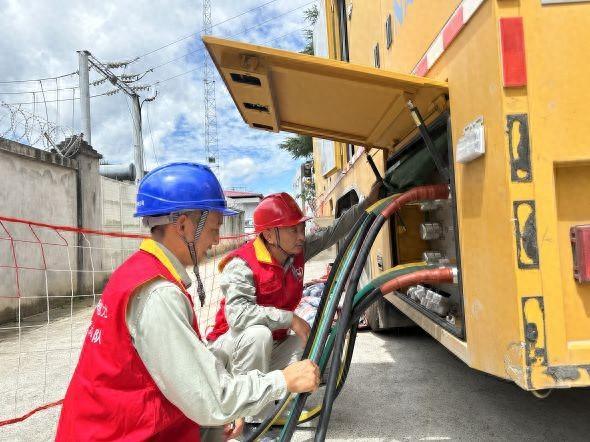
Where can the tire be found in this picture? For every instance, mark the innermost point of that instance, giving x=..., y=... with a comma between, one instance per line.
x=382, y=316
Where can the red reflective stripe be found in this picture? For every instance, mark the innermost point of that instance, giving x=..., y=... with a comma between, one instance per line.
x=451, y=30
x=513, y=55
x=422, y=67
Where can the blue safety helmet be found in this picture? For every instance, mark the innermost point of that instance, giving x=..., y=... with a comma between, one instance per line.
x=178, y=187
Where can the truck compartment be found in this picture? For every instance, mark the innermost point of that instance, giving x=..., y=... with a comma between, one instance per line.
x=427, y=231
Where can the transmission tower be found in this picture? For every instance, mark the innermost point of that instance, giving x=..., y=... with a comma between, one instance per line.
x=211, y=145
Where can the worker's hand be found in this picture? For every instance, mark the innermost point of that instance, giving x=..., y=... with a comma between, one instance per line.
x=233, y=430
x=301, y=328
x=302, y=377
x=373, y=195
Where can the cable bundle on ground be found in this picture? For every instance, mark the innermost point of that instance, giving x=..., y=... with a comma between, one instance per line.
x=329, y=342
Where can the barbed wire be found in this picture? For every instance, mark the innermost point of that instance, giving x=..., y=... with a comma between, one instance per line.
x=20, y=125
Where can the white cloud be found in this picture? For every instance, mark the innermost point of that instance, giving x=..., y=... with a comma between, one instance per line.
x=40, y=38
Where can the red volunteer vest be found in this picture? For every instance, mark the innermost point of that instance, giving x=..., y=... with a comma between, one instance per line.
x=275, y=287
x=111, y=395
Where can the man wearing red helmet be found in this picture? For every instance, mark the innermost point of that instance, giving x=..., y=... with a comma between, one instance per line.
x=262, y=282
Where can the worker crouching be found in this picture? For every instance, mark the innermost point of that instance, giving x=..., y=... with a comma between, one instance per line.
x=144, y=372
x=262, y=284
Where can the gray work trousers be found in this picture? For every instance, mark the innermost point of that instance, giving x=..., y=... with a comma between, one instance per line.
x=254, y=349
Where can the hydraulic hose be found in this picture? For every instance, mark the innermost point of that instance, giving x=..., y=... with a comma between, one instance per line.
x=338, y=276
x=324, y=319
x=338, y=268
x=440, y=191
x=419, y=272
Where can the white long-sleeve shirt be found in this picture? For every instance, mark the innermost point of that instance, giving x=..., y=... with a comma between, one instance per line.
x=237, y=280
x=159, y=318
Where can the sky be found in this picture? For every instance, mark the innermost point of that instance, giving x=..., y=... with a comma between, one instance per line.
x=39, y=39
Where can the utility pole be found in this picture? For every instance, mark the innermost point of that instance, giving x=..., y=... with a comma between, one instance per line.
x=84, y=94
x=137, y=138
x=211, y=141
x=135, y=113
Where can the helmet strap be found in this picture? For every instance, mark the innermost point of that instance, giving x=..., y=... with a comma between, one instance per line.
x=193, y=249
x=278, y=244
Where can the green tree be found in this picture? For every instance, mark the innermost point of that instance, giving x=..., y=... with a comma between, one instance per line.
x=311, y=16
x=308, y=193
x=301, y=146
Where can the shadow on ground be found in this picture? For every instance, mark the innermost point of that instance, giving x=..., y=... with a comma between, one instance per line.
x=404, y=385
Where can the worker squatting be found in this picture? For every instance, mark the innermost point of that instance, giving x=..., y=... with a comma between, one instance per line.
x=145, y=371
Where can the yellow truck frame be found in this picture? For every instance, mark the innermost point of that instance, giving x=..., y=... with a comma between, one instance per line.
x=520, y=66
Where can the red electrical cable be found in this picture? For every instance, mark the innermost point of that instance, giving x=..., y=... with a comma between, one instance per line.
x=422, y=193
x=30, y=413
x=444, y=274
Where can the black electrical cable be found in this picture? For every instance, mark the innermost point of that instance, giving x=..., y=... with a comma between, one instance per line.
x=321, y=308
x=346, y=365
x=363, y=305
x=360, y=306
x=297, y=408
x=335, y=269
x=330, y=280
x=315, y=326
x=343, y=325
x=299, y=403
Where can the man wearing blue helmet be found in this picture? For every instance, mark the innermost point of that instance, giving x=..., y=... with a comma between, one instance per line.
x=144, y=372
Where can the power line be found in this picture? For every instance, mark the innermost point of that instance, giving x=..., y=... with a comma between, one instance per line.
x=197, y=51
x=155, y=83
x=111, y=92
x=38, y=79
x=38, y=92
x=199, y=66
x=129, y=78
x=199, y=32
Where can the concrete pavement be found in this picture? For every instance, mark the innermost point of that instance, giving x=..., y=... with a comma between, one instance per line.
x=402, y=386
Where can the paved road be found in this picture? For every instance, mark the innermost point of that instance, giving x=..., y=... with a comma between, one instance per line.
x=406, y=386
x=401, y=386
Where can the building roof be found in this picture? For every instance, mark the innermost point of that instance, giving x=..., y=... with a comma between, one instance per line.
x=239, y=194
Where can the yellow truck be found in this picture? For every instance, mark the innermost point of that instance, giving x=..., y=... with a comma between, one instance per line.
x=486, y=95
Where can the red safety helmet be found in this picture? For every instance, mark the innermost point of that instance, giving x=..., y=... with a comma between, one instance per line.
x=277, y=210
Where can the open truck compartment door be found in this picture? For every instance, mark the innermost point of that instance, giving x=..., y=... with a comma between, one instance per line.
x=279, y=90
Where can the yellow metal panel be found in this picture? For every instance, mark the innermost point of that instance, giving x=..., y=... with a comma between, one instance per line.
x=556, y=43
x=321, y=97
x=415, y=26
x=572, y=210
x=484, y=207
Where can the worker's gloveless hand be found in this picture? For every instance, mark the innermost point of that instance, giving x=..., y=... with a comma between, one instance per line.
x=301, y=328
x=233, y=430
x=302, y=377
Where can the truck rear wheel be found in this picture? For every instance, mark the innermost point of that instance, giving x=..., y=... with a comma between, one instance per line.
x=381, y=316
